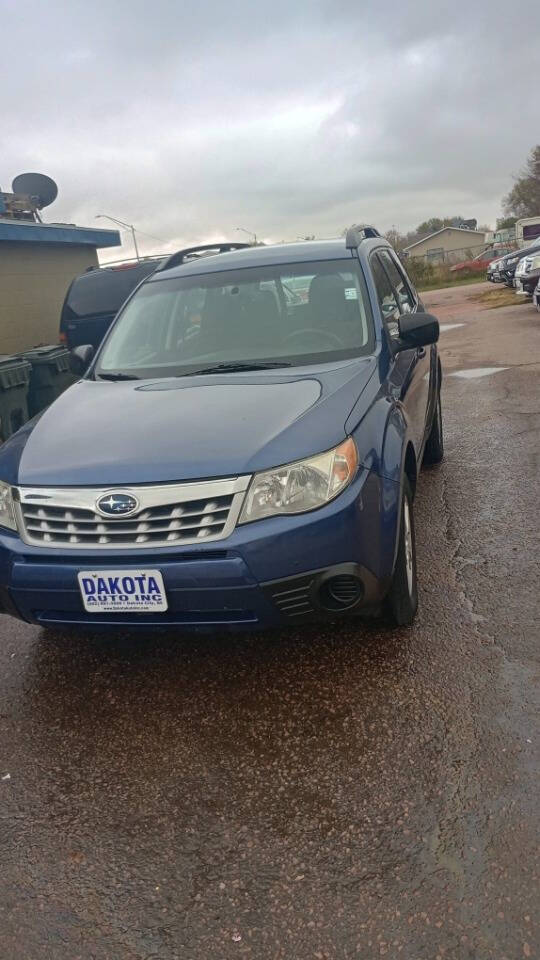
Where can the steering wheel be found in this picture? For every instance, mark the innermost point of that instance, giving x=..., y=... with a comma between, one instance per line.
x=331, y=338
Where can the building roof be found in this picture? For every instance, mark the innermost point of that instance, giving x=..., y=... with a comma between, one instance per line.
x=26, y=231
x=475, y=233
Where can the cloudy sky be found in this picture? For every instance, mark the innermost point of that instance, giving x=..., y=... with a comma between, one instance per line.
x=287, y=118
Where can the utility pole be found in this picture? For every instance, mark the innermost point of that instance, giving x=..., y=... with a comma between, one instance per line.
x=128, y=226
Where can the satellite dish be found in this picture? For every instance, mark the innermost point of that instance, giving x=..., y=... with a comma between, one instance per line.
x=40, y=188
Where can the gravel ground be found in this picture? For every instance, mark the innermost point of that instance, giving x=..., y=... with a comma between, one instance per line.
x=354, y=791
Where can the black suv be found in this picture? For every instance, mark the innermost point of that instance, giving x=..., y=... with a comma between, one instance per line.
x=509, y=263
x=95, y=297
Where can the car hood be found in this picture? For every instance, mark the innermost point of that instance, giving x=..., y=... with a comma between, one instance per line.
x=522, y=252
x=105, y=434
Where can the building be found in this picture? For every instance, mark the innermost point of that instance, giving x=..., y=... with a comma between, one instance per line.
x=449, y=245
x=38, y=261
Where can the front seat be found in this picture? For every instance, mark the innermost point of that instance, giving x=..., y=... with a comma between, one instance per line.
x=327, y=303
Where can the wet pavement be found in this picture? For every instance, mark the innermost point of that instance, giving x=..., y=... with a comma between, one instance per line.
x=354, y=791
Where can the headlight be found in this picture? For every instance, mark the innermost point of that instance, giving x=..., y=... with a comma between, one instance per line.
x=512, y=261
x=7, y=512
x=301, y=486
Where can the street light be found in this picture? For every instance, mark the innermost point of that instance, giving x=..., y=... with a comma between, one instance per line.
x=249, y=233
x=129, y=226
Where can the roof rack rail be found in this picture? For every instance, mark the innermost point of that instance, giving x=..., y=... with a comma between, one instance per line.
x=192, y=253
x=356, y=234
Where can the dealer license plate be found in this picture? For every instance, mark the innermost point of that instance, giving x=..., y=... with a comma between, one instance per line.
x=121, y=591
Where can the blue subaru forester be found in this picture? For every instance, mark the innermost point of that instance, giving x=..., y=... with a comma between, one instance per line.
x=243, y=450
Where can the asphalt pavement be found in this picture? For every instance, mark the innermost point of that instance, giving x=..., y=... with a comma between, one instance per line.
x=331, y=792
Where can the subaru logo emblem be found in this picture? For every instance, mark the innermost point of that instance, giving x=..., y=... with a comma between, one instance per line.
x=117, y=504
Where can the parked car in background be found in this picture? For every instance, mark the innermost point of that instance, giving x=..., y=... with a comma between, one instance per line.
x=494, y=267
x=536, y=296
x=527, y=274
x=509, y=263
x=95, y=297
x=233, y=456
x=479, y=263
x=493, y=271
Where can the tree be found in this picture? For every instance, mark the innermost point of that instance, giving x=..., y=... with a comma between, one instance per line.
x=524, y=197
x=396, y=239
x=435, y=223
x=506, y=223
x=429, y=226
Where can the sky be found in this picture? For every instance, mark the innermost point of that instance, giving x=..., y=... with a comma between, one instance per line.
x=289, y=118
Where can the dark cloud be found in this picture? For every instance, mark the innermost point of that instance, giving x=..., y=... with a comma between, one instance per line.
x=193, y=119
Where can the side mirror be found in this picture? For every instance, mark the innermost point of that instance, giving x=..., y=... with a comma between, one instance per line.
x=81, y=358
x=417, y=330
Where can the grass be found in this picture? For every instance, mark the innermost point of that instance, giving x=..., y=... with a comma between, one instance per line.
x=499, y=297
x=443, y=284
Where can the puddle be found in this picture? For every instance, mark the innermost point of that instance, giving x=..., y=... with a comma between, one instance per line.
x=443, y=327
x=477, y=372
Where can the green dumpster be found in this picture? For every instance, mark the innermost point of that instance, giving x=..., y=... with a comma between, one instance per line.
x=51, y=375
x=14, y=379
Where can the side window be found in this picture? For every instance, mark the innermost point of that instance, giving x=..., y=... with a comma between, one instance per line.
x=397, y=278
x=387, y=297
x=410, y=285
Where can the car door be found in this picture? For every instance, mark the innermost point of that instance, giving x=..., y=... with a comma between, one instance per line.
x=411, y=372
x=425, y=357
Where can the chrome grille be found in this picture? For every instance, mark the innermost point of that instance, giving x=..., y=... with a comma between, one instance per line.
x=168, y=514
x=178, y=522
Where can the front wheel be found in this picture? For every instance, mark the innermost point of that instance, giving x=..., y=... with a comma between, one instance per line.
x=402, y=599
x=434, y=451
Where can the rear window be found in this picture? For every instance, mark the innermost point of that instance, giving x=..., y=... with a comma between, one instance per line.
x=104, y=291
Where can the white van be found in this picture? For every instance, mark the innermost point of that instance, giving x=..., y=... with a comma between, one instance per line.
x=527, y=231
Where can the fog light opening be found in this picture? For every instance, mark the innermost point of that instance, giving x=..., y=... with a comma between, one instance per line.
x=340, y=592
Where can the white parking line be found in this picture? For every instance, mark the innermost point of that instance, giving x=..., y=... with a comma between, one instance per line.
x=443, y=327
x=476, y=372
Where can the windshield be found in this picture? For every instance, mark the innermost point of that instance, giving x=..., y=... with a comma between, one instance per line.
x=278, y=316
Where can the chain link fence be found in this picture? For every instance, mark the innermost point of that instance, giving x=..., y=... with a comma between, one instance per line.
x=438, y=255
x=435, y=267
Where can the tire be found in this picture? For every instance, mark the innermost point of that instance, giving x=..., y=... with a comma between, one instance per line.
x=402, y=598
x=434, y=451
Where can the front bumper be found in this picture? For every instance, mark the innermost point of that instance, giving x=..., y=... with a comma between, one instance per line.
x=526, y=282
x=508, y=276
x=269, y=572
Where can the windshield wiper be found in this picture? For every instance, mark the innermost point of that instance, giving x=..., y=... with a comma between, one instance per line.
x=238, y=367
x=117, y=375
